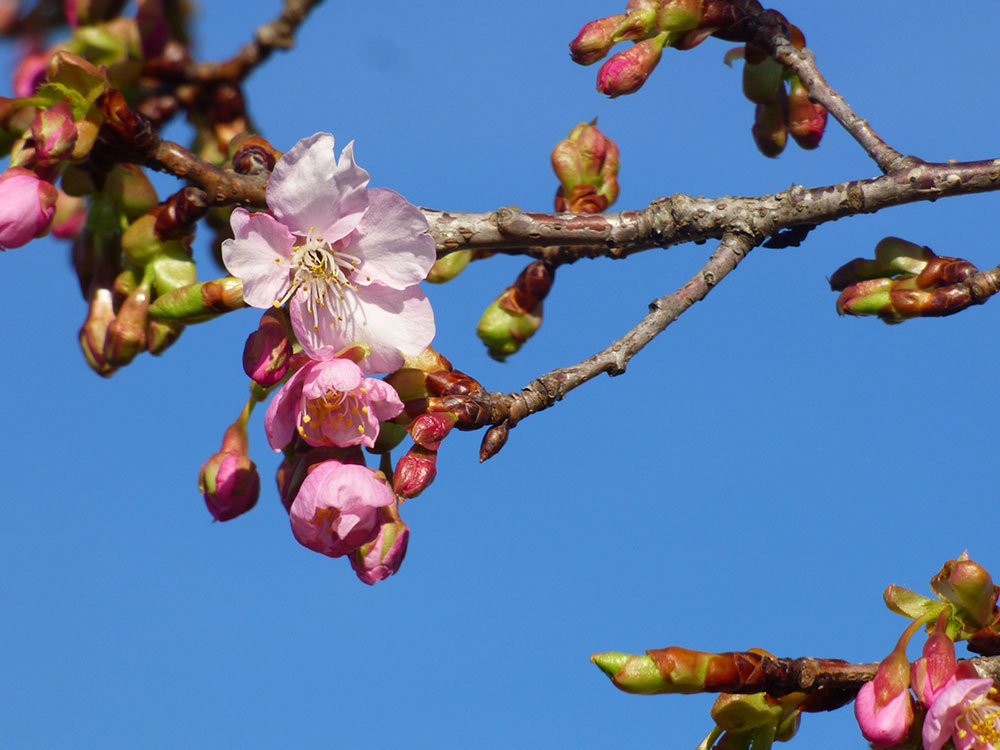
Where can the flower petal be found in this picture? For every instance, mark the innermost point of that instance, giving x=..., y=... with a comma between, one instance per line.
x=283, y=411
x=392, y=242
x=392, y=322
x=257, y=256
x=310, y=188
x=942, y=715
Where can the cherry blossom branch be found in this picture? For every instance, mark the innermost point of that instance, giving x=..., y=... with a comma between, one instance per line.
x=770, y=33
x=506, y=410
x=278, y=34
x=681, y=218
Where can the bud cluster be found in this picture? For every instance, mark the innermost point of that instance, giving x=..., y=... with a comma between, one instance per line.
x=904, y=281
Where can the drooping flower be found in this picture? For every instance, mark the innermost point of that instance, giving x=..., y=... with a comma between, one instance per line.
x=336, y=510
x=347, y=259
x=883, y=707
x=329, y=401
x=967, y=713
x=26, y=206
x=229, y=480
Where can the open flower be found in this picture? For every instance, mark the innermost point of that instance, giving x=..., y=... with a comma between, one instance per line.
x=347, y=259
x=329, y=401
x=967, y=713
x=336, y=510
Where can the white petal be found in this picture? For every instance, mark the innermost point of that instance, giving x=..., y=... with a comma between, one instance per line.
x=258, y=256
x=392, y=322
x=391, y=242
x=309, y=188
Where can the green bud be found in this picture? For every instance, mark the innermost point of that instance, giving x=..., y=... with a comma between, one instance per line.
x=160, y=334
x=632, y=674
x=505, y=332
x=72, y=78
x=131, y=189
x=448, y=267
x=762, y=79
x=172, y=268
x=743, y=712
x=198, y=302
x=967, y=585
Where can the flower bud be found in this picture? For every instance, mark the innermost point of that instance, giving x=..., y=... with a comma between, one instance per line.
x=199, y=302
x=761, y=78
x=504, y=332
x=679, y=15
x=229, y=479
x=161, y=334
x=54, y=134
x=428, y=430
x=935, y=669
x=586, y=163
x=74, y=72
x=625, y=72
x=967, y=585
x=414, y=472
x=883, y=707
x=769, y=130
x=252, y=154
x=806, y=119
x=131, y=190
x=267, y=350
x=27, y=205
x=380, y=558
x=69, y=216
x=30, y=73
x=448, y=267
x=95, y=329
x=127, y=332
x=594, y=40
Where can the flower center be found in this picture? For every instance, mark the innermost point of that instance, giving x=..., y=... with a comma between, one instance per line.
x=322, y=271
x=334, y=407
x=981, y=719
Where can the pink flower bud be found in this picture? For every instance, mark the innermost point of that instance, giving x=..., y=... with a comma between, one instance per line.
x=69, y=216
x=883, y=707
x=29, y=73
x=414, y=472
x=429, y=430
x=229, y=480
x=26, y=207
x=54, y=134
x=267, y=351
x=379, y=559
x=594, y=40
x=936, y=667
x=626, y=71
x=806, y=119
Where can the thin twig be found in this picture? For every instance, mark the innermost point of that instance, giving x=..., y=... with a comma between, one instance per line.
x=278, y=34
x=545, y=390
x=770, y=34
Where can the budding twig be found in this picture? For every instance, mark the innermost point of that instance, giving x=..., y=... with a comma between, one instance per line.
x=770, y=34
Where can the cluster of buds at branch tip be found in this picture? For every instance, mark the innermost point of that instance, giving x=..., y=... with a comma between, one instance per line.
x=779, y=111
x=516, y=315
x=904, y=281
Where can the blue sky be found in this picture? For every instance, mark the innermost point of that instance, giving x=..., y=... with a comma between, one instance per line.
x=758, y=476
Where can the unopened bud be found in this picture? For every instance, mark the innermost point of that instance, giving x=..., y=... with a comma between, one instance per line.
x=594, y=40
x=54, y=134
x=967, y=585
x=806, y=119
x=69, y=216
x=414, y=472
x=94, y=331
x=131, y=189
x=267, y=350
x=74, y=72
x=448, y=267
x=127, y=332
x=769, y=130
x=504, y=332
x=252, y=154
x=228, y=480
x=762, y=76
x=198, y=302
x=380, y=558
x=27, y=205
x=586, y=163
x=161, y=334
x=429, y=430
x=625, y=72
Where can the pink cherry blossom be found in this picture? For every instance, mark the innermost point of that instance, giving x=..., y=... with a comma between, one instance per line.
x=885, y=726
x=966, y=712
x=379, y=559
x=336, y=509
x=330, y=402
x=346, y=258
x=26, y=206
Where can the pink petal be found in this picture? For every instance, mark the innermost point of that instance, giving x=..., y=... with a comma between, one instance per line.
x=384, y=401
x=310, y=188
x=392, y=322
x=392, y=242
x=940, y=722
x=885, y=727
x=332, y=375
x=257, y=256
x=282, y=413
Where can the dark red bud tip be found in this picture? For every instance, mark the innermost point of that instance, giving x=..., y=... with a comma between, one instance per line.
x=429, y=430
x=414, y=472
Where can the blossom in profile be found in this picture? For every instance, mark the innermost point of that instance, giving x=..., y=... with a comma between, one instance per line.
x=968, y=714
x=347, y=259
x=27, y=204
x=329, y=401
x=336, y=510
